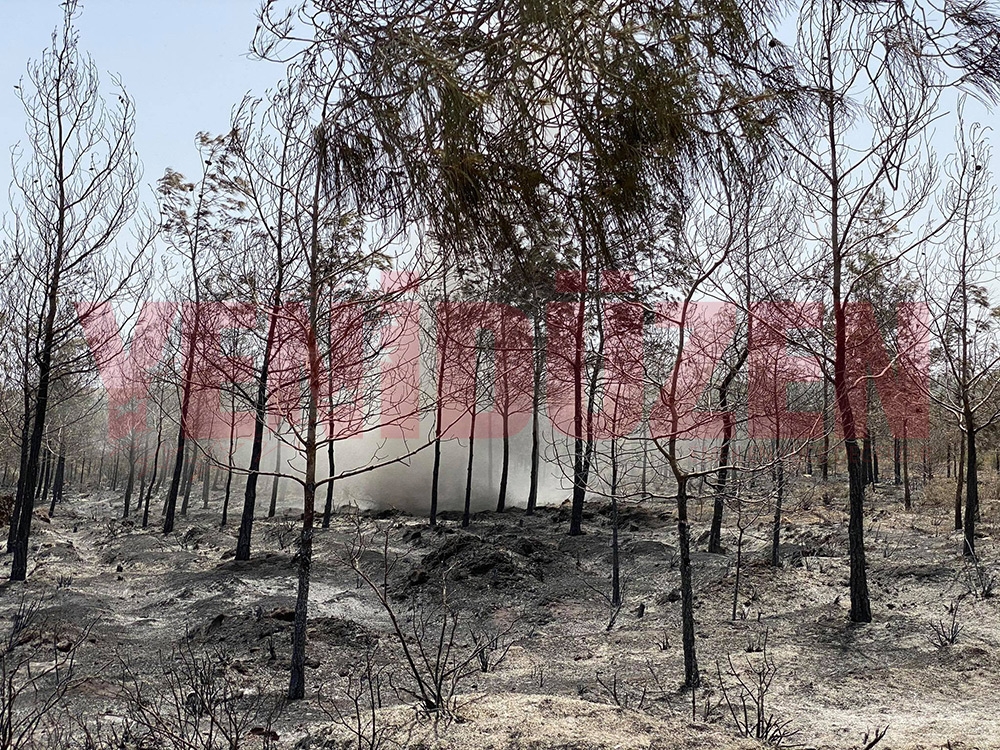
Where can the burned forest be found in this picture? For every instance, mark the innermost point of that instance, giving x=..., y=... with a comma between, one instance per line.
x=546, y=375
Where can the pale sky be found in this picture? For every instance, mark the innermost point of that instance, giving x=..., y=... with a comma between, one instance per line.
x=183, y=61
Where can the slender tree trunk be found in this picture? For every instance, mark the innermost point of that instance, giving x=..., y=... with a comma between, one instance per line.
x=874, y=449
x=692, y=678
x=130, y=481
x=472, y=446
x=616, y=589
x=740, y=531
x=579, y=458
x=860, y=604
x=536, y=406
x=907, y=497
x=866, y=459
x=715, y=532
x=260, y=421
x=779, y=486
x=504, y=465
x=114, y=472
x=228, y=495
x=331, y=462
x=206, y=483
x=43, y=487
x=229, y=464
x=959, y=482
x=145, y=501
x=273, y=507
x=192, y=461
x=971, y=487
x=897, y=477
x=296, y=682
x=824, y=464
x=187, y=387
x=57, y=489
x=443, y=334
x=21, y=473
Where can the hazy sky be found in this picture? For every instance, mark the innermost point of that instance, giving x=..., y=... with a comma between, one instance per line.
x=183, y=61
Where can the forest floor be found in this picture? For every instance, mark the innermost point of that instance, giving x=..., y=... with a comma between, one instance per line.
x=138, y=601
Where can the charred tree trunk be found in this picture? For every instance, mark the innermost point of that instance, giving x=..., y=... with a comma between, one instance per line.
x=692, y=678
x=443, y=334
x=192, y=460
x=897, y=477
x=779, y=488
x=971, y=488
x=722, y=476
x=874, y=449
x=536, y=406
x=579, y=448
x=824, y=463
x=959, y=482
x=616, y=588
x=130, y=481
x=57, y=488
x=866, y=459
x=331, y=462
x=504, y=465
x=206, y=483
x=260, y=421
x=472, y=446
x=273, y=507
x=907, y=497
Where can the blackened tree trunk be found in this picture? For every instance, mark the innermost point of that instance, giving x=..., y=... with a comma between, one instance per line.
x=580, y=454
x=57, y=488
x=331, y=460
x=192, y=461
x=616, y=587
x=260, y=421
x=43, y=487
x=296, y=682
x=874, y=450
x=779, y=496
x=130, y=481
x=907, y=497
x=971, y=487
x=715, y=533
x=467, y=510
x=897, y=477
x=273, y=507
x=206, y=483
x=145, y=501
x=466, y=514
x=114, y=472
x=536, y=406
x=443, y=333
x=504, y=465
x=824, y=463
x=866, y=459
x=692, y=677
x=860, y=604
x=22, y=470
x=959, y=482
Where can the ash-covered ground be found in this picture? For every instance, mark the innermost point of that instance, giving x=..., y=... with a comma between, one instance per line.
x=171, y=631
